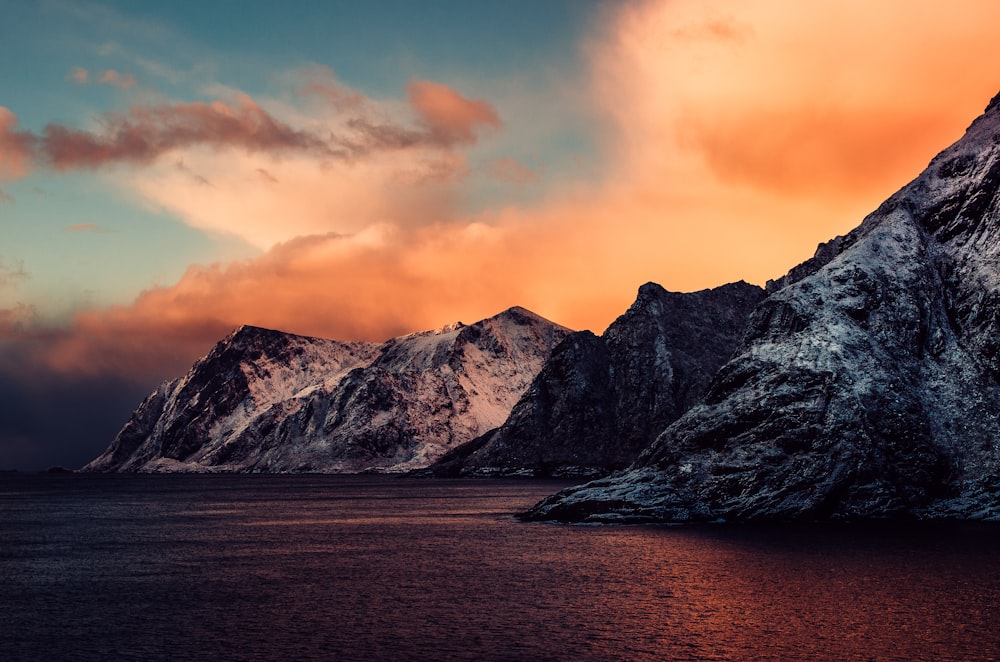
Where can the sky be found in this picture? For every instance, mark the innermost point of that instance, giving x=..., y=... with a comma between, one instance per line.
x=169, y=171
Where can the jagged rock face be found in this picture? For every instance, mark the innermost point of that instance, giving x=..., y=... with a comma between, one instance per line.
x=562, y=423
x=599, y=401
x=666, y=349
x=245, y=375
x=292, y=404
x=867, y=382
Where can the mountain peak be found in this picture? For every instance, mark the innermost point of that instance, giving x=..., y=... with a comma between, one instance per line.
x=514, y=314
x=448, y=328
x=993, y=106
x=650, y=289
x=247, y=334
x=520, y=315
x=251, y=330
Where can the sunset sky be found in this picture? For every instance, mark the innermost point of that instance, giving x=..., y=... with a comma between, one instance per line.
x=171, y=170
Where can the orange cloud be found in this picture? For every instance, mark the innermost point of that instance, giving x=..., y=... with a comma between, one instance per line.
x=828, y=99
x=267, y=200
x=16, y=150
x=813, y=150
x=87, y=227
x=567, y=261
x=369, y=286
x=322, y=82
x=386, y=171
x=146, y=133
x=14, y=321
x=15, y=147
x=446, y=120
x=78, y=74
x=510, y=170
x=117, y=79
x=450, y=117
x=375, y=284
x=365, y=162
x=783, y=124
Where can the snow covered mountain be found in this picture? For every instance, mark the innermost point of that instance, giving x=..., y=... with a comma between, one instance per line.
x=868, y=381
x=266, y=401
x=246, y=374
x=599, y=401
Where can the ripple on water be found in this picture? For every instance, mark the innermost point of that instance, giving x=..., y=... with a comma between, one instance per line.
x=327, y=567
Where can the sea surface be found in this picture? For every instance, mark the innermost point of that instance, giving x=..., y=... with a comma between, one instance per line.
x=381, y=568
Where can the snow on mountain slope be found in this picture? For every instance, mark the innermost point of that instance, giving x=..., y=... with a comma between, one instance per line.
x=294, y=404
x=867, y=382
x=244, y=375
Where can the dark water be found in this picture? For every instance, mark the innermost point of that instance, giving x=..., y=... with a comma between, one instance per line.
x=360, y=568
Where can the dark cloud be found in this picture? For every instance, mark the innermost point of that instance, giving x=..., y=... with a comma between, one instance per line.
x=53, y=419
x=14, y=320
x=147, y=132
x=51, y=416
x=445, y=119
x=195, y=177
x=267, y=175
x=79, y=75
x=87, y=227
x=117, y=79
x=11, y=272
x=16, y=150
x=369, y=136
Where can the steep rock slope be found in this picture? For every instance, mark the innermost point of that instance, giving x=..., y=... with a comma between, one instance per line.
x=600, y=400
x=244, y=375
x=337, y=407
x=867, y=382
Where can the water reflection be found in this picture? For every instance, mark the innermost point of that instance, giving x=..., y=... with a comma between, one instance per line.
x=315, y=567
x=902, y=592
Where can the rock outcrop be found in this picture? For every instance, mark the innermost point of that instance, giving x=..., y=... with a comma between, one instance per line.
x=866, y=385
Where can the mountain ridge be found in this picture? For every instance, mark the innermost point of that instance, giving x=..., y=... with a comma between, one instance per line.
x=264, y=400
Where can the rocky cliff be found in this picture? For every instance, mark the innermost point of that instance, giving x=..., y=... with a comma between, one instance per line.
x=866, y=385
x=600, y=400
x=266, y=401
